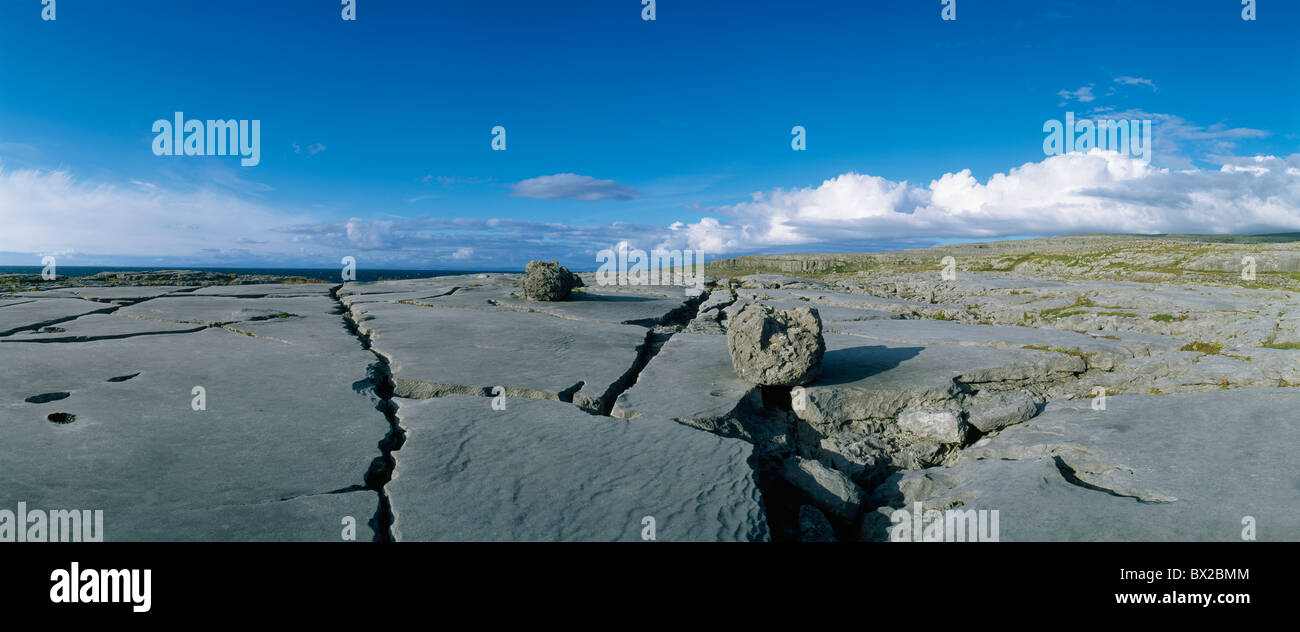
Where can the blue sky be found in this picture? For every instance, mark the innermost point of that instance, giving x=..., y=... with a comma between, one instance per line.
x=376, y=143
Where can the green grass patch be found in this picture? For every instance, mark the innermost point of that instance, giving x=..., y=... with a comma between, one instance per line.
x=1068, y=310
x=1289, y=346
x=1209, y=348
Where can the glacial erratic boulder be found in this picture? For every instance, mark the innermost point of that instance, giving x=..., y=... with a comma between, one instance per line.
x=771, y=347
x=548, y=281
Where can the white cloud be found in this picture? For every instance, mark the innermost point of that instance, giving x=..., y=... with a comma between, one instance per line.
x=1082, y=95
x=312, y=149
x=1136, y=81
x=1095, y=192
x=49, y=211
x=571, y=186
x=1176, y=140
x=452, y=180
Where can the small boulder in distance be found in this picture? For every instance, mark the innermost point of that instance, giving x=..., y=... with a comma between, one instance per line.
x=548, y=281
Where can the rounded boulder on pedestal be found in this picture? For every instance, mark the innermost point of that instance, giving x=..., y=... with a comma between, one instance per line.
x=771, y=347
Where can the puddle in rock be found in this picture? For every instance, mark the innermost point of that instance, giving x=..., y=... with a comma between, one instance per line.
x=122, y=378
x=61, y=418
x=46, y=397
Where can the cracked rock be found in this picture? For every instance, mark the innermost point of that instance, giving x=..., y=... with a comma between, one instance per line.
x=941, y=426
x=830, y=490
x=1000, y=410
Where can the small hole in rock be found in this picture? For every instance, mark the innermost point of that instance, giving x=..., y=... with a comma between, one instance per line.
x=46, y=397
x=122, y=378
x=61, y=418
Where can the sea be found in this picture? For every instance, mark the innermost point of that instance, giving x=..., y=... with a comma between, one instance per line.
x=321, y=274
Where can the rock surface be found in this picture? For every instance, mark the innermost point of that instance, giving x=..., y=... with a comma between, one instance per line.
x=1185, y=466
x=1085, y=388
x=546, y=471
x=280, y=449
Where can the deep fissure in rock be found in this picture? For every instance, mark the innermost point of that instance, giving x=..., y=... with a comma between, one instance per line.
x=379, y=376
x=657, y=336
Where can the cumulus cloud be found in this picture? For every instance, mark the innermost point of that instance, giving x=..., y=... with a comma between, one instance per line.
x=52, y=212
x=1096, y=192
x=571, y=186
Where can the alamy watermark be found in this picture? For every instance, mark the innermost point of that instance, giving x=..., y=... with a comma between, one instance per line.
x=952, y=525
x=128, y=586
x=623, y=265
x=209, y=138
x=55, y=525
x=1128, y=137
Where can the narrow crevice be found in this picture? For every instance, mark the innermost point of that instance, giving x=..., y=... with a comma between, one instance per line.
x=381, y=468
x=67, y=339
x=1072, y=477
x=120, y=301
x=379, y=378
x=345, y=490
x=251, y=334
x=781, y=499
x=656, y=337
x=676, y=317
x=762, y=419
x=37, y=326
x=771, y=430
x=644, y=352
